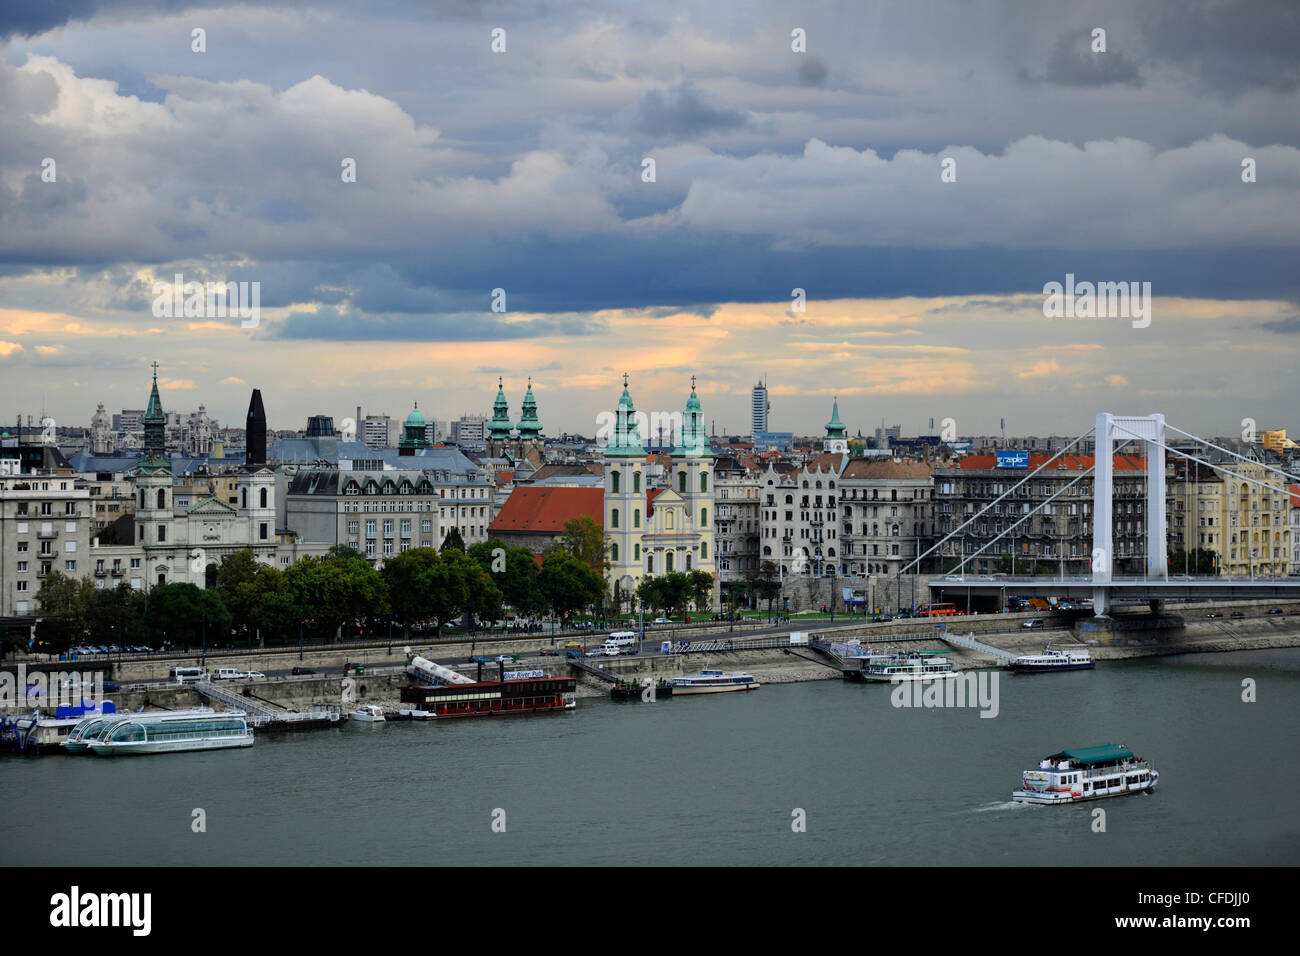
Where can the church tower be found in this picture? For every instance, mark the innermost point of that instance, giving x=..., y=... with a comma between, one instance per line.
x=837, y=434
x=153, y=487
x=693, y=482
x=413, y=434
x=256, y=483
x=625, y=498
x=499, y=427
x=530, y=427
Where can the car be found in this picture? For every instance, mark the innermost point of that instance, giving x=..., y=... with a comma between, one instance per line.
x=1275, y=610
x=111, y=687
x=1237, y=614
x=1214, y=614
x=573, y=644
x=354, y=666
x=543, y=652
x=596, y=652
x=298, y=671
x=255, y=675
x=482, y=660
x=502, y=658
x=661, y=620
x=1033, y=623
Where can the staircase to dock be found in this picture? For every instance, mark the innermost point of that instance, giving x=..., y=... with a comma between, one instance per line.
x=968, y=641
x=263, y=713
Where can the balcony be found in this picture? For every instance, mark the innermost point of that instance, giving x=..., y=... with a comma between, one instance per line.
x=48, y=535
x=100, y=572
x=117, y=572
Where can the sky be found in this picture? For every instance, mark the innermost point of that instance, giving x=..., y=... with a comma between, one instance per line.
x=920, y=171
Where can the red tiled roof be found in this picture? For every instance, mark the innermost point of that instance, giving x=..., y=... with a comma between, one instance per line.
x=650, y=496
x=1295, y=496
x=547, y=509
x=504, y=477
x=1065, y=462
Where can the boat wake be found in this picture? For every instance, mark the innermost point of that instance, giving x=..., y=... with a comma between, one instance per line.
x=1000, y=805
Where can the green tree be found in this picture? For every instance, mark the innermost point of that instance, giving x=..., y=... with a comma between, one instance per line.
x=1197, y=561
x=569, y=584
x=701, y=586
x=453, y=541
x=65, y=605
x=764, y=583
x=275, y=611
x=238, y=586
x=183, y=613
x=409, y=577
x=584, y=538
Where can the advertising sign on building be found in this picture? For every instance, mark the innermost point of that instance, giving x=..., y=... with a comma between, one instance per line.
x=1013, y=459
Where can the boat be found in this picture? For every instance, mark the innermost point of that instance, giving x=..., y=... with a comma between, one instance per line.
x=1086, y=773
x=367, y=713
x=910, y=666
x=1053, y=659
x=174, y=733
x=94, y=727
x=470, y=697
x=713, y=682
x=40, y=733
x=633, y=690
x=408, y=713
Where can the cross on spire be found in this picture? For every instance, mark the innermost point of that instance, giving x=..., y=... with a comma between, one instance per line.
x=155, y=370
x=692, y=383
x=625, y=379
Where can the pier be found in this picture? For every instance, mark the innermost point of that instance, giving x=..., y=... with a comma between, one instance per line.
x=265, y=715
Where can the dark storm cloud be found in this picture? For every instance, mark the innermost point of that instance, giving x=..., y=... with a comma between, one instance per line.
x=1229, y=46
x=682, y=112
x=1072, y=63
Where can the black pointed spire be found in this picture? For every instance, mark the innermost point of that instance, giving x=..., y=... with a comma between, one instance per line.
x=255, y=432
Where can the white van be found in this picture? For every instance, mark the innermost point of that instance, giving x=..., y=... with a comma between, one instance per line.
x=622, y=639
x=188, y=675
x=227, y=673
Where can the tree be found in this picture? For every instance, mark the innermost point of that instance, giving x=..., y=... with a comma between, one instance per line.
x=584, y=538
x=274, y=611
x=114, y=614
x=569, y=584
x=764, y=583
x=453, y=541
x=238, y=586
x=64, y=608
x=1197, y=561
x=184, y=613
x=447, y=592
x=650, y=593
x=701, y=584
x=337, y=591
x=409, y=577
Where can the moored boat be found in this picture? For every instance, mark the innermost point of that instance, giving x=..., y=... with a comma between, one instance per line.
x=41, y=733
x=1086, y=773
x=910, y=666
x=93, y=728
x=174, y=733
x=1053, y=659
x=368, y=713
x=713, y=682
x=460, y=696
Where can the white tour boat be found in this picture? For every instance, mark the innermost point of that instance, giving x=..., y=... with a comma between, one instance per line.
x=713, y=682
x=911, y=666
x=93, y=728
x=174, y=732
x=1052, y=659
x=1086, y=773
x=367, y=713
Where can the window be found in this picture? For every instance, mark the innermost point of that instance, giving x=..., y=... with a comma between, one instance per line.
x=636, y=517
x=22, y=585
x=613, y=552
x=704, y=517
x=636, y=552
x=263, y=504
x=613, y=518
x=704, y=550
x=613, y=478
x=162, y=499
x=162, y=533
x=681, y=483
x=69, y=565
x=262, y=531
x=649, y=564
x=668, y=562
x=636, y=482
x=704, y=481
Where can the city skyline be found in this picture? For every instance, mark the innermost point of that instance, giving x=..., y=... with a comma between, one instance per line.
x=801, y=219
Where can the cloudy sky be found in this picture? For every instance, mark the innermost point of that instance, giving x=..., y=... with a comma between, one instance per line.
x=774, y=170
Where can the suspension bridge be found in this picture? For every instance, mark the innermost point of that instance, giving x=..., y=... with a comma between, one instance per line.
x=1156, y=585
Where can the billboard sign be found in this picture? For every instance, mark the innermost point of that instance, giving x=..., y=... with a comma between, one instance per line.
x=1013, y=459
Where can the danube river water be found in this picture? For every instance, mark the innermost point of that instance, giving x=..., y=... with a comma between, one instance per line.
x=711, y=780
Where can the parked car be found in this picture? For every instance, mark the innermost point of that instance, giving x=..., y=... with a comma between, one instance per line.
x=255, y=675
x=661, y=620
x=1275, y=610
x=543, y=652
x=111, y=687
x=354, y=666
x=1033, y=623
x=1214, y=614
x=1237, y=614
x=298, y=671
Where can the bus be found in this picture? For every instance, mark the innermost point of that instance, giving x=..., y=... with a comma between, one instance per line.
x=938, y=610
